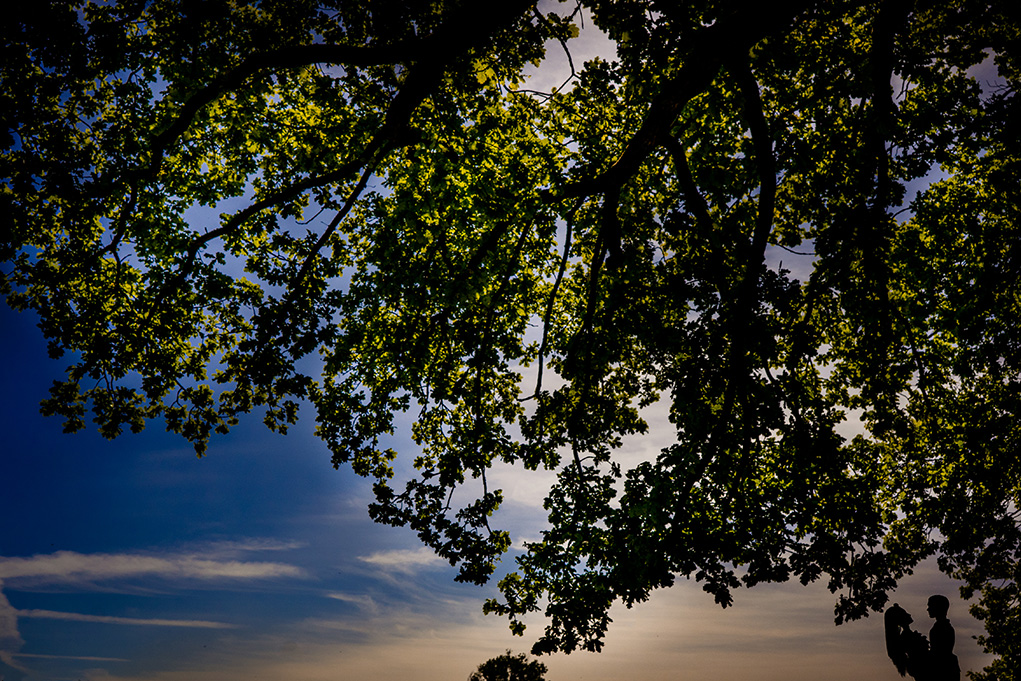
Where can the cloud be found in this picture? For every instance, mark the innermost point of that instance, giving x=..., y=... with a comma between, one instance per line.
x=88, y=658
x=10, y=639
x=397, y=644
x=76, y=569
x=361, y=600
x=403, y=560
x=8, y=622
x=234, y=548
x=68, y=567
x=106, y=619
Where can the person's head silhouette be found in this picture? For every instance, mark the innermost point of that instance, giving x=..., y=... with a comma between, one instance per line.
x=938, y=607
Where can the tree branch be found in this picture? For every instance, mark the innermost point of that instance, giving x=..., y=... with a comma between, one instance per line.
x=282, y=196
x=332, y=227
x=551, y=301
x=693, y=199
x=745, y=293
x=458, y=34
x=765, y=162
x=290, y=57
x=736, y=32
x=416, y=88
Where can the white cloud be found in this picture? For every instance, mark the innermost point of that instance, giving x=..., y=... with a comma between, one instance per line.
x=233, y=548
x=8, y=622
x=10, y=639
x=76, y=569
x=87, y=658
x=404, y=560
x=133, y=621
x=361, y=600
x=68, y=567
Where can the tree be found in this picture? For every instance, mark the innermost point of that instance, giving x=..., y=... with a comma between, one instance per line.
x=509, y=667
x=522, y=272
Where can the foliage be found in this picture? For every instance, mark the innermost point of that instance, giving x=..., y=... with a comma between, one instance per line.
x=406, y=232
x=509, y=667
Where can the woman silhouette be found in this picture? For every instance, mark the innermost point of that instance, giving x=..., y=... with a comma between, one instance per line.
x=908, y=649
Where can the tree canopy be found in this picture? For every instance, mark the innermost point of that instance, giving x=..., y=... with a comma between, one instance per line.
x=510, y=667
x=224, y=207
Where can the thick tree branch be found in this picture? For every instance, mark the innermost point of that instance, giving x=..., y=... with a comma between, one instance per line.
x=419, y=84
x=736, y=32
x=765, y=162
x=736, y=367
x=290, y=57
x=696, y=204
x=874, y=224
x=693, y=198
x=461, y=32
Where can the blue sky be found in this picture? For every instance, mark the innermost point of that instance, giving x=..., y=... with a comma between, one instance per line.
x=132, y=560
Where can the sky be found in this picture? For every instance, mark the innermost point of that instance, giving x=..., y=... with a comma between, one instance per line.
x=134, y=560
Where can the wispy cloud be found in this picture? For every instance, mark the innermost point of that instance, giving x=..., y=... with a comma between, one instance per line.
x=361, y=600
x=68, y=567
x=10, y=639
x=403, y=560
x=87, y=658
x=233, y=548
x=8, y=621
x=400, y=644
x=132, y=621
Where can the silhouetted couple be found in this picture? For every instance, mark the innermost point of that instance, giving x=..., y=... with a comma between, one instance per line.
x=924, y=659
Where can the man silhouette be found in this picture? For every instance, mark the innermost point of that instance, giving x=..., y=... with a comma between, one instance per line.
x=942, y=661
